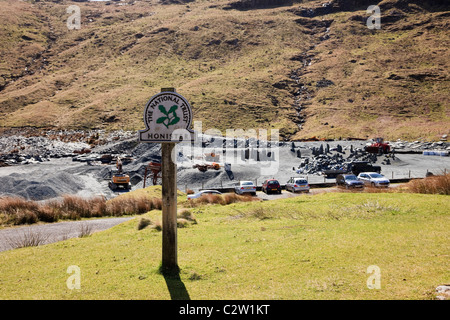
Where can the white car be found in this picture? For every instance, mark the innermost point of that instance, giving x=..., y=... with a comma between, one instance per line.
x=201, y=193
x=245, y=187
x=374, y=179
x=297, y=184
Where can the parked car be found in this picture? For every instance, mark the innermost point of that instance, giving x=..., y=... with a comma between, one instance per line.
x=271, y=185
x=349, y=181
x=353, y=167
x=374, y=179
x=297, y=184
x=201, y=193
x=245, y=187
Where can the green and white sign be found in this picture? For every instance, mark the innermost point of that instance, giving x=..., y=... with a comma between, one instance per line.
x=168, y=118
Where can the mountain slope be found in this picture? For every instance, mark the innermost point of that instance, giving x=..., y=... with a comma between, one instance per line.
x=391, y=82
x=324, y=74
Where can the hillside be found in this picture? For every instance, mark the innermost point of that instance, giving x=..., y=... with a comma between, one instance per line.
x=303, y=68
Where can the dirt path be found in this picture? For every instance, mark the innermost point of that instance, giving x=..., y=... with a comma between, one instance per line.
x=48, y=233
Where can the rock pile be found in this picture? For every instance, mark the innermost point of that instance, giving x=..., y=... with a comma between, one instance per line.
x=324, y=158
x=25, y=149
x=419, y=146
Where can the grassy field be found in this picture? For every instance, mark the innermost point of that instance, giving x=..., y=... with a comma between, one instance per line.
x=307, y=247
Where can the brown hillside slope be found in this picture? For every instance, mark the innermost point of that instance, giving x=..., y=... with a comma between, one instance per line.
x=391, y=82
x=244, y=67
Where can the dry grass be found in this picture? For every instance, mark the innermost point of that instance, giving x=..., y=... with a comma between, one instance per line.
x=133, y=205
x=223, y=199
x=439, y=184
x=27, y=238
x=18, y=211
x=85, y=230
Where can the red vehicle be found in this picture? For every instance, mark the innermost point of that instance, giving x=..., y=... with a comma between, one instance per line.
x=378, y=147
x=271, y=185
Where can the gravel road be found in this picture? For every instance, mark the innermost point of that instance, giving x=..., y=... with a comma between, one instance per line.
x=47, y=233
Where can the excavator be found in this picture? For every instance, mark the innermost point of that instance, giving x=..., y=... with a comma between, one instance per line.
x=119, y=180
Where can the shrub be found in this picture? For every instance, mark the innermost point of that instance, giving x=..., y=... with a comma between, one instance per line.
x=76, y=207
x=182, y=223
x=10, y=205
x=230, y=198
x=98, y=207
x=157, y=203
x=186, y=214
x=48, y=214
x=25, y=217
x=85, y=230
x=143, y=205
x=28, y=238
x=143, y=223
x=157, y=225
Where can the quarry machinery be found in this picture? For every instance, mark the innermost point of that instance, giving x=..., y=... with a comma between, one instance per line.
x=205, y=167
x=155, y=169
x=379, y=147
x=208, y=161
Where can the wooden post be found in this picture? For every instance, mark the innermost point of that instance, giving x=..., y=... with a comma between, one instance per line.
x=159, y=132
x=169, y=208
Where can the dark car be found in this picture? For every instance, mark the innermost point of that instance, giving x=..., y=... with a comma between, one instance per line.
x=353, y=167
x=271, y=185
x=349, y=181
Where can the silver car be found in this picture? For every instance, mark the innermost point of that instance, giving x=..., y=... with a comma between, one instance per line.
x=201, y=193
x=297, y=184
x=245, y=187
x=374, y=179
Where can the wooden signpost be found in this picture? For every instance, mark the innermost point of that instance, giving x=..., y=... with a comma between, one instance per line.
x=168, y=118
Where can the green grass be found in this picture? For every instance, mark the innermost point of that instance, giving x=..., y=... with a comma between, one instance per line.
x=307, y=247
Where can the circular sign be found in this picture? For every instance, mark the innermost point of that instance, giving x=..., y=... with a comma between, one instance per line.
x=168, y=118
